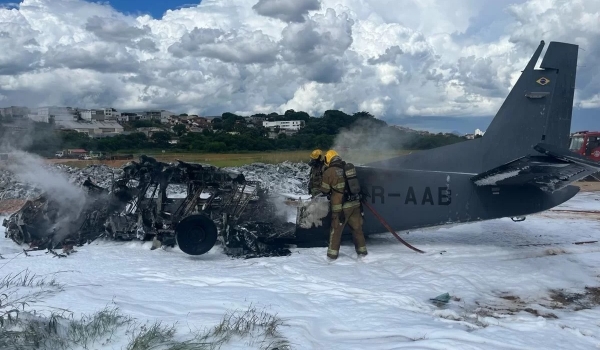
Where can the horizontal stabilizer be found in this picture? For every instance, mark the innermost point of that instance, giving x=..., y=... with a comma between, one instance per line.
x=552, y=172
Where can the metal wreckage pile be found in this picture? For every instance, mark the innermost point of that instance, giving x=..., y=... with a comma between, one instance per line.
x=213, y=205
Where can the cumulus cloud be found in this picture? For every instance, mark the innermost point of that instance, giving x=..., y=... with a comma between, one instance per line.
x=419, y=58
x=286, y=10
x=389, y=56
x=232, y=47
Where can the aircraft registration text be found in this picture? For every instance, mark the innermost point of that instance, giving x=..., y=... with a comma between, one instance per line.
x=412, y=197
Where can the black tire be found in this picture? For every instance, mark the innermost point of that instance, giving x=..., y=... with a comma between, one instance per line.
x=196, y=234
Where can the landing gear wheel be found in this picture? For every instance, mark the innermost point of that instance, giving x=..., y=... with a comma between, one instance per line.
x=196, y=234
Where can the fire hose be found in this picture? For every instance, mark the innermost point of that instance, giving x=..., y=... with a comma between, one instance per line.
x=384, y=223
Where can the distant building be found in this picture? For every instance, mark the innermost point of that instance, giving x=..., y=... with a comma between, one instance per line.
x=14, y=112
x=165, y=115
x=126, y=117
x=101, y=114
x=149, y=131
x=274, y=134
x=152, y=115
x=92, y=114
x=285, y=124
x=157, y=114
x=255, y=120
x=92, y=128
x=52, y=114
x=58, y=113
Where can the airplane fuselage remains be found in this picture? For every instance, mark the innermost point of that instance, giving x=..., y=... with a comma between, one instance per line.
x=411, y=199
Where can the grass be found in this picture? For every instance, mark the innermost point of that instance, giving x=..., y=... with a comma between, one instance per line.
x=239, y=159
x=24, y=325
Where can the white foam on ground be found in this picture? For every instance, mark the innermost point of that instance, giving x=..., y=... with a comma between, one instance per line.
x=378, y=303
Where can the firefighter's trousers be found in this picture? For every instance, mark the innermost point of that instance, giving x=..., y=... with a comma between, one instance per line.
x=354, y=219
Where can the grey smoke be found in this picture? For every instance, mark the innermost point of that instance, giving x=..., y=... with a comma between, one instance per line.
x=69, y=197
x=370, y=136
x=22, y=134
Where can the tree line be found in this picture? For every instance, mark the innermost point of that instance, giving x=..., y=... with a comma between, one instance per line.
x=318, y=132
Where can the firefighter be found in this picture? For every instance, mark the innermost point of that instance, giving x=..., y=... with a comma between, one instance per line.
x=316, y=172
x=345, y=208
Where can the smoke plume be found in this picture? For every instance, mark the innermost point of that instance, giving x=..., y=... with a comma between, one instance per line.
x=25, y=134
x=69, y=199
x=366, y=137
x=285, y=211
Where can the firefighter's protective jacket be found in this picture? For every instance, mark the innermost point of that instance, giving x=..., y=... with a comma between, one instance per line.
x=333, y=184
x=316, y=178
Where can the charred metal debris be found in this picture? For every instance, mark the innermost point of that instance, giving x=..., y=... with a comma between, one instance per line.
x=194, y=206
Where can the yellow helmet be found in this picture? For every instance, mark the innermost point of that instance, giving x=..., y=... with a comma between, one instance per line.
x=316, y=154
x=330, y=155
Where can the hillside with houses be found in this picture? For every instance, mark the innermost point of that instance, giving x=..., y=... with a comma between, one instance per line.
x=59, y=129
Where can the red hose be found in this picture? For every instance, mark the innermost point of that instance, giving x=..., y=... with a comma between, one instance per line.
x=389, y=228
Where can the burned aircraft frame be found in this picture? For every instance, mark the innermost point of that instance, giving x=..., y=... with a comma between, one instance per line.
x=35, y=223
x=213, y=197
x=218, y=204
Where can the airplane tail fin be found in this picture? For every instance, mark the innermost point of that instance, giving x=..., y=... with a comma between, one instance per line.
x=538, y=109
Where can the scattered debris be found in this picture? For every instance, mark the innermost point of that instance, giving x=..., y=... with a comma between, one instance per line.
x=556, y=243
x=538, y=313
x=554, y=251
x=587, y=299
x=509, y=304
x=441, y=299
x=186, y=204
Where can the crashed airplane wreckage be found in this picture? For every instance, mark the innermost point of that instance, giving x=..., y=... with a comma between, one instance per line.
x=216, y=206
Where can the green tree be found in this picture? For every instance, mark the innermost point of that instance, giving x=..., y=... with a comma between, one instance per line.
x=161, y=138
x=179, y=129
x=142, y=124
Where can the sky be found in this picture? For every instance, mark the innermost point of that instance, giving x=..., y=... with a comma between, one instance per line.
x=443, y=66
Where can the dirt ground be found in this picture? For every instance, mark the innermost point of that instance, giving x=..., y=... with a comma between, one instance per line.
x=588, y=186
x=9, y=206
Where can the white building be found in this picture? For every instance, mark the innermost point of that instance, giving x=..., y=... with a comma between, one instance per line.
x=57, y=113
x=39, y=118
x=479, y=132
x=165, y=115
x=123, y=117
x=100, y=114
x=14, y=111
x=45, y=114
x=285, y=124
x=92, y=128
x=88, y=114
x=108, y=113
